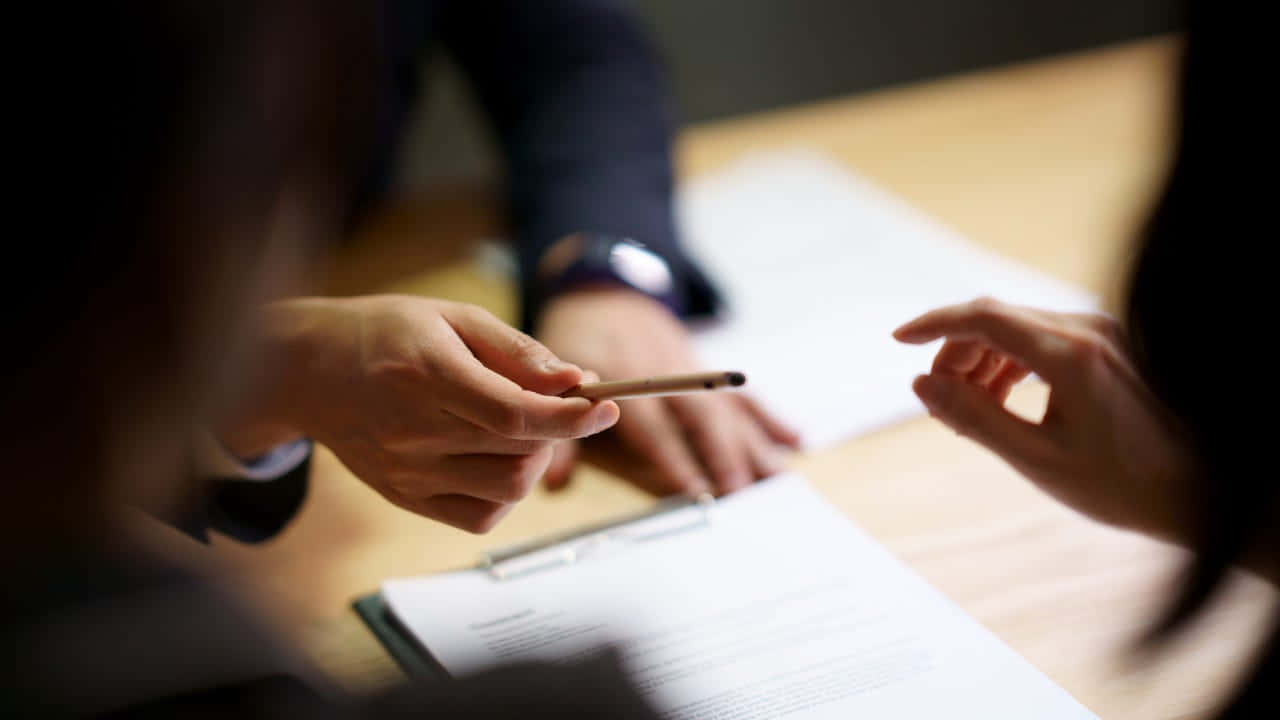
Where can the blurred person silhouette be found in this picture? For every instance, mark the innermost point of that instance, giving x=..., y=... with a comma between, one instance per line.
x=213, y=146
x=1153, y=424
x=574, y=96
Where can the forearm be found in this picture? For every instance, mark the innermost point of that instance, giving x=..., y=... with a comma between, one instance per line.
x=576, y=96
x=271, y=413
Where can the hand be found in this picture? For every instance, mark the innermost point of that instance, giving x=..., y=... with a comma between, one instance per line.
x=440, y=407
x=715, y=442
x=1104, y=446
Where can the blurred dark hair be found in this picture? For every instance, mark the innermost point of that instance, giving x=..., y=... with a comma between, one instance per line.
x=157, y=138
x=1199, y=308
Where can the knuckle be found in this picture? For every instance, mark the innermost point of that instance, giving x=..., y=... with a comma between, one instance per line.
x=525, y=347
x=988, y=316
x=462, y=317
x=985, y=306
x=470, y=312
x=510, y=419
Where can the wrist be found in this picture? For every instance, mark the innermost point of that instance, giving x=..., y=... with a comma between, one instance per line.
x=593, y=261
x=271, y=412
x=603, y=299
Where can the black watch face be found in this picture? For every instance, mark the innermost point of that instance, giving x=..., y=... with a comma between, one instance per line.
x=641, y=268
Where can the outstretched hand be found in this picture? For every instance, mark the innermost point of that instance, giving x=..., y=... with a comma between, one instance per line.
x=1104, y=446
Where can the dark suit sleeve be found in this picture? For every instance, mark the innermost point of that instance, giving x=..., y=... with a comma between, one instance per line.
x=250, y=511
x=575, y=96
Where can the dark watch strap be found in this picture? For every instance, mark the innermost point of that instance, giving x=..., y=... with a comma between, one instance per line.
x=597, y=259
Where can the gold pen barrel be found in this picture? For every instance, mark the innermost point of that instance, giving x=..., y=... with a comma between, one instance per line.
x=658, y=386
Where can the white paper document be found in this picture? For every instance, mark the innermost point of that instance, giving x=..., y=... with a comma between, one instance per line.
x=775, y=606
x=818, y=266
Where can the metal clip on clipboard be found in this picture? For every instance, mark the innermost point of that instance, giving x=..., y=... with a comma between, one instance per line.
x=671, y=516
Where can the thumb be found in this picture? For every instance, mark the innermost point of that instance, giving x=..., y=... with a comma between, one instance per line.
x=974, y=413
x=511, y=353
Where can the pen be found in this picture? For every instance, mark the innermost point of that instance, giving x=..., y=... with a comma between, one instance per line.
x=657, y=386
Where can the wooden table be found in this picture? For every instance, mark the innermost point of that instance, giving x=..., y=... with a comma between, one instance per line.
x=1052, y=163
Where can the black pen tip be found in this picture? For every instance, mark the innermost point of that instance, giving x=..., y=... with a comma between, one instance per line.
x=736, y=379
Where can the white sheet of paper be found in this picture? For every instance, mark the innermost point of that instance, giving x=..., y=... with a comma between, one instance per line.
x=818, y=266
x=780, y=606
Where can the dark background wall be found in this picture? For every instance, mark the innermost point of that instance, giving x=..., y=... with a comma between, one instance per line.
x=726, y=57
x=733, y=56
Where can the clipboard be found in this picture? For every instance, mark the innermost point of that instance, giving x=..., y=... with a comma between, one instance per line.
x=541, y=555
x=778, y=606
x=409, y=654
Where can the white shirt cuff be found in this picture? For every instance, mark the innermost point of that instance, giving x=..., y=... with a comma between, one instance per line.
x=214, y=460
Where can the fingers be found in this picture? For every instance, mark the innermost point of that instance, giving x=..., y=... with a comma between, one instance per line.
x=979, y=365
x=566, y=453
x=452, y=435
x=1009, y=375
x=496, y=478
x=651, y=431
x=1100, y=324
x=560, y=470
x=1030, y=339
x=958, y=357
x=665, y=448
x=716, y=433
x=987, y=368
x=776, y=430
x=766, y=458
x=482, y=397
x=972, y=412
x=511, y=353
x=463, y=512
x=471, y=492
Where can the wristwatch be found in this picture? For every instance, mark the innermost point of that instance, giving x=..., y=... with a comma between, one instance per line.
x=585, y=259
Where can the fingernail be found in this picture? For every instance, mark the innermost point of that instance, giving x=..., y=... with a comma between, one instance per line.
x=604, y=417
